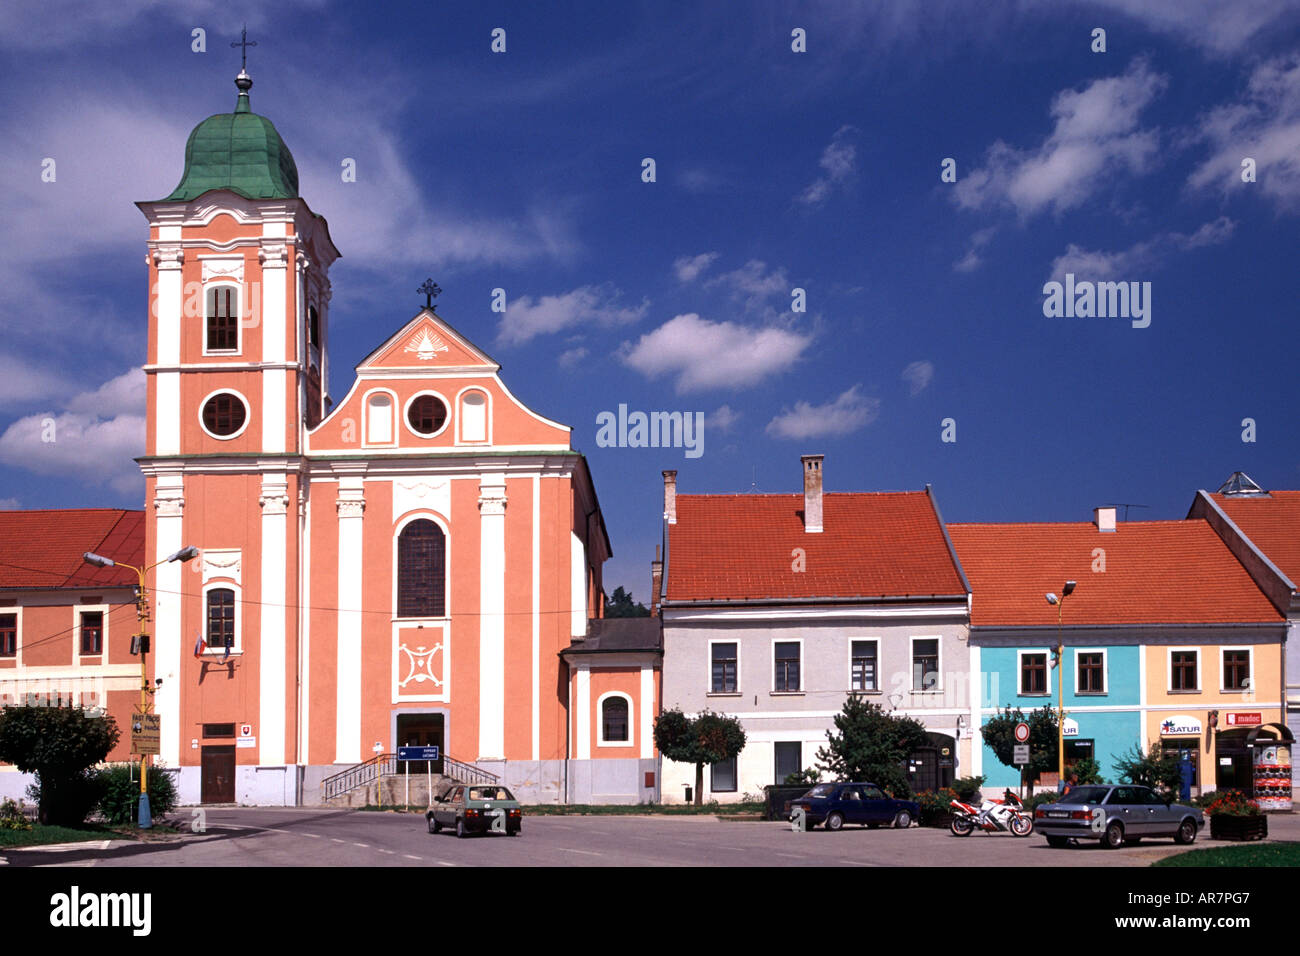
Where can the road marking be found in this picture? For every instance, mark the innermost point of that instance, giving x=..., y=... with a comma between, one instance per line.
x=387, y=851
x=337, y=840
x=314, y=836
x=790, y=856
x=364, y=846
x=445, y=863
x=410, y=856
x=583, y=852
x=858, y=863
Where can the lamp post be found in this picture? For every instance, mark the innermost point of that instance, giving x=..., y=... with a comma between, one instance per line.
x=1060, y=678
x=141, y=643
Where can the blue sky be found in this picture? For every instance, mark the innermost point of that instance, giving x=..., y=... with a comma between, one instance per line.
x=774, y=171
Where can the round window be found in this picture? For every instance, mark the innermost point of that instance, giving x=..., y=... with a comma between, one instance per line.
x=427, y=414
x=224, y=414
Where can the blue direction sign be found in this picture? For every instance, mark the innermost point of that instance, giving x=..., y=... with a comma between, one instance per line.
x=417, y=753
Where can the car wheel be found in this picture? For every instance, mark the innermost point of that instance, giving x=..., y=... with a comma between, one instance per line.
x=834, y=821
x=1113, y=838
x=437, y=827
x=460, y=828
x=1059, y=842
x=903, y=820
x=1186, y=832
x=431, y=825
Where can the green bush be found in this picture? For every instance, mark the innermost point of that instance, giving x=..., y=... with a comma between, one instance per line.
x=808, y=775
x=967, y=788
x=1038, y=799
x=1087, y=770
x=934, y=805
x=1156, y=770
x=12, y=817
x=120, y=801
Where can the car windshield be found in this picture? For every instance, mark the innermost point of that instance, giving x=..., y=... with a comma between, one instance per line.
x=821, y=790
x=489, y=793
x=1087, y=795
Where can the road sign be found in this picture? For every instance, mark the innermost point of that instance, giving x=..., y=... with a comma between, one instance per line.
x=1022, y=733
x=1020, y=757
x=145, y=734
x=417, y=753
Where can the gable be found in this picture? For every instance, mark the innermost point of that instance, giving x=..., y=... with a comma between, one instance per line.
x=427, y=343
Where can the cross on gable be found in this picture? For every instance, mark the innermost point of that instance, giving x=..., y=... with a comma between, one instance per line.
x=431, y=292
x=244, y=42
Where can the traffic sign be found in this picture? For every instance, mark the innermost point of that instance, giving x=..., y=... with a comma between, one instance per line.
x=1020, y=756
x=1022, y=733
x=417, y=753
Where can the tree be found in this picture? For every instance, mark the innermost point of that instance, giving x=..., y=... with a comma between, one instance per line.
x=872, y=744
x=622, y=605
x=1000, y=735
x=1157, y=769
x=709, y=738
x=59, y=745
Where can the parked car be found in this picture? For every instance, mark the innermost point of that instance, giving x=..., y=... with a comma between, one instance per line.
x=473, y=808
x=836, y=804
x=1116, y=815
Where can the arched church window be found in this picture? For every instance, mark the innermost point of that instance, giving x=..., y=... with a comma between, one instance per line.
x=221, y=618
x=379, y=419
x=421, y=570
x=224, y=414
x=222, y=319
x=613, y=720
x=426, y=414
x=473, y=417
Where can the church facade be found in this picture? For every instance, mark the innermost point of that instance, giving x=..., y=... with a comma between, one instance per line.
x=403, y=567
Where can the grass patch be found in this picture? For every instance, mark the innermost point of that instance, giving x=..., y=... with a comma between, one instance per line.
x=1252, y=854
x=40, y=834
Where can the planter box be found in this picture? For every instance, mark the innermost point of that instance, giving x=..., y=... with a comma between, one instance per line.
x=1224, y=827
x=940, y=820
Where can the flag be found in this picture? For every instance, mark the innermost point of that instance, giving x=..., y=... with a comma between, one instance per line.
x=229, y=643
x=198, y=645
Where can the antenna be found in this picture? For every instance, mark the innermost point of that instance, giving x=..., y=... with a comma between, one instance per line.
x=1126, y=505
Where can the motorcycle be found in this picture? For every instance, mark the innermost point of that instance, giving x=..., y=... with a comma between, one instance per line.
x=993, y=816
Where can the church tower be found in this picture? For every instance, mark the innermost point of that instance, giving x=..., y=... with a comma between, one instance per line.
x=237, y=373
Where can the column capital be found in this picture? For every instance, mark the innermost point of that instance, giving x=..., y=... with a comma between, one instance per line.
x=273, y=254
x=167, y=258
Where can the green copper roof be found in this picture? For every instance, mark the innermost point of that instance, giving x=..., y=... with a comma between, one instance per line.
x=239, y=151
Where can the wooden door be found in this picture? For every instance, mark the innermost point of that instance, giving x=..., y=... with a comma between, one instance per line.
x=217, y=774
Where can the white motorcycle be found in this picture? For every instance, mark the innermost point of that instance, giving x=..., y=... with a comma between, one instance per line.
x=993, y=816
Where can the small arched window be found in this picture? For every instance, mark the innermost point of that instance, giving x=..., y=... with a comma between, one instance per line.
x=222, y=328
x=421, y=570
x=613, y=720
x=221, y=618
x=379, y=419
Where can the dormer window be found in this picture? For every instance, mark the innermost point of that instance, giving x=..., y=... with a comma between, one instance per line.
x=222, y=327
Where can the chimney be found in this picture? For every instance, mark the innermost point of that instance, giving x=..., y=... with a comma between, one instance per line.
x=670, y=497
x=812, y=493
x=656, y=582
x=1104, y=517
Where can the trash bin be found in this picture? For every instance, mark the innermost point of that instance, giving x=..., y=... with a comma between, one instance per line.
x=690, y=794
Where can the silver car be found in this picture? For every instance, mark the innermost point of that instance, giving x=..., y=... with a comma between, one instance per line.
x=1115, y=815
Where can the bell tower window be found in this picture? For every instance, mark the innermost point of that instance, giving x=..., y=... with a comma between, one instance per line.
x=222, y=324
x=224, y=415
x=426, y=414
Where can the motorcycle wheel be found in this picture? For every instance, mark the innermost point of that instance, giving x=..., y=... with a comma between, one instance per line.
x=1021, y=826
x=962, y=826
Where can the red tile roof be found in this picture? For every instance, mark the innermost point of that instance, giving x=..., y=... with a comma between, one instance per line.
x=1157, y=572
x=42, y=549
x=1272, y=523
x=738, y=547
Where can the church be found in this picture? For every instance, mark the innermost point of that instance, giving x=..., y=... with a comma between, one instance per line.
x=415, y=564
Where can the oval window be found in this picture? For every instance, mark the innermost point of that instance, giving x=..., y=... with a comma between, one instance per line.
x=427, y=414
x=224, y=414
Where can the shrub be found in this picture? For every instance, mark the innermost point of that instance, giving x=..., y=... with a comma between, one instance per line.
x=934, y=804
x=808, y=775
x=1232, y=803
x=1156, y=770
x=120, y=783
x=871, y=744
x=1039, y=799
x=12, y=816
x=59, y=745
x=1087, y=770
x=967, y=788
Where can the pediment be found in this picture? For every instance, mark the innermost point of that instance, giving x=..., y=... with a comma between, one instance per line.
x=428, y=342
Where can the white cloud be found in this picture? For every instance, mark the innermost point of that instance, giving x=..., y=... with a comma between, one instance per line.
x=723, y=418
x=1217, y=26
x=9, y=504
x=688, y=268
x=973, y=258
x=703, y=354
x=571, y=357
x=526, y=317
x=918, y=376
x=754, y=285
x=1097, y=265
x=1096, y=136
x=93, y=440
x=1264, y=126
x=849, y=412
x=838, y=161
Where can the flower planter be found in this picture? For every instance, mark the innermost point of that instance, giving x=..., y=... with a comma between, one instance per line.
x=940, y=820
x=1225, y=827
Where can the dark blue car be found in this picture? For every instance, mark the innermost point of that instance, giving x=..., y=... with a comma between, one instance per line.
x=865, y=804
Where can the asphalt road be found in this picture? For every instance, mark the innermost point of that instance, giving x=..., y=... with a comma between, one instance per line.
x=257, y=837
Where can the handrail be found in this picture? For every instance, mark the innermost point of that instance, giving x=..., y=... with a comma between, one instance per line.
x=388, y=765
x=472, y=774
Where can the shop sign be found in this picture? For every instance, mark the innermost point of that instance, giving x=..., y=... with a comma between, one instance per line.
x=1070, y=728
x=1237, y=719
x=1180, y=725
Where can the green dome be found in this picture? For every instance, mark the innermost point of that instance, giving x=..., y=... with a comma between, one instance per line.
x=239, y=151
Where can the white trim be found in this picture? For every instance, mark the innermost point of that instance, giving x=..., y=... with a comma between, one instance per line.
x=1021, y=653
x=875, y=671
x=212, y=285
x=1105, y=671
x=167, y=407
x=487, y=417
x=577, y=586
x=275, y=387
x=77, y=611
x=911, y=663
x=273, y=611
x=747, y=715
x=492, y=621
x=1152, y=708
x=583, y=713
x=772, y=660
x=600, y=721
x=216, y=653
x=351, y=569
x=848, y=611
x=248, y=413
x=975, y=693
x=18, y=640
x=1250, y=650
x=708, y=666
x=446, y=422
x=440, y=634
x=648, y=710
x=537, y=620
x=168, y=617
x=366, y=441
x=445, y=527
x=1169, y=668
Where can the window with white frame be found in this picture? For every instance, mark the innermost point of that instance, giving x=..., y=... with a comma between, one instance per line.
x=221, y=331
x=91, y=625
x=615, y=719
x=723, y=665
x=1236, y=668
x=473, y=416
x=785, y=663
x=1033, y=673
x=722, y=776
x=1090, y=672
x=1185, y=670
x=862, y=666
x=788, y=758
x=220, y=634
x=925, y=663
x=8, y=635
x=379, y=418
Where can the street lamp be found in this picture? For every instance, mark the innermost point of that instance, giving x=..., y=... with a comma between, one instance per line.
x=1060, y=678
x=140, y=642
